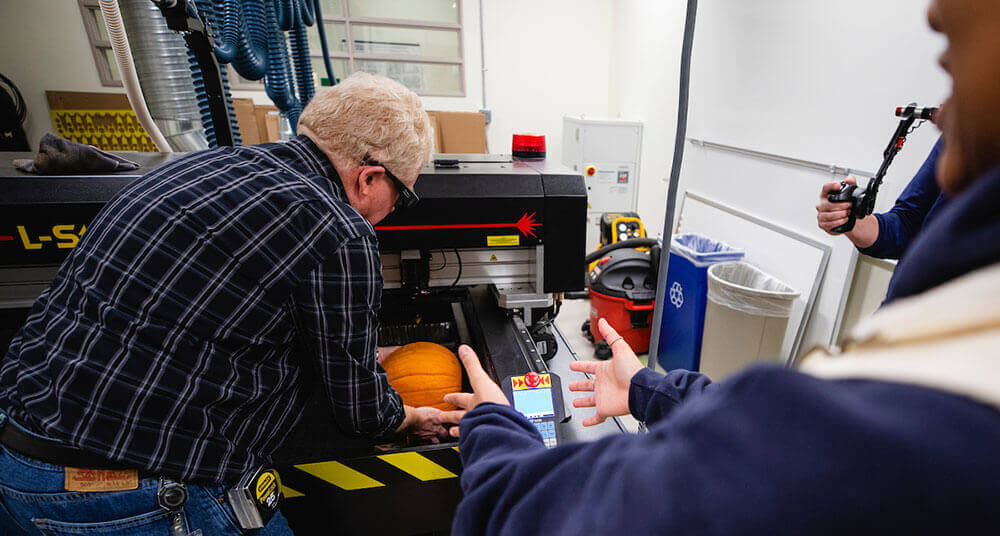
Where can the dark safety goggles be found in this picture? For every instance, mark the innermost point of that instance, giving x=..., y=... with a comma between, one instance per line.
x=407, y=198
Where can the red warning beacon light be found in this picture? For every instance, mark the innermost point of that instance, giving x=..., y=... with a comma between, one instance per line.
x=528, y=146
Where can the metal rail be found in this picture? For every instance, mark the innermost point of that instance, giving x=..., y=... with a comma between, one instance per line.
x=818, y=166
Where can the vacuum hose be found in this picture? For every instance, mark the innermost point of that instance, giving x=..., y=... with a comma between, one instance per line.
x=208, y=10
x=630, y=243
x=123, y=57
x=244, y=38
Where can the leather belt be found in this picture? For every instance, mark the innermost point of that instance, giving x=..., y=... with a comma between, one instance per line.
x=52, y=451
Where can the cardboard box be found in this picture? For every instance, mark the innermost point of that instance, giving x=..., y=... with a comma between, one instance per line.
x=268, y=123
x=460, y=132
x=104, y=120
x=435, y=131
x=247, y=121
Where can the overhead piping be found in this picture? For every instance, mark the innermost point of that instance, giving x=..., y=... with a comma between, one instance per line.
x=123, y=57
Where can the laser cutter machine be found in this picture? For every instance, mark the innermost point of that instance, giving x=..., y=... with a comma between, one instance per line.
x=482, y=260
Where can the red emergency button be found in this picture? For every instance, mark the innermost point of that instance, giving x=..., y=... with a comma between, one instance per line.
x=532, y=379
x=591, y=170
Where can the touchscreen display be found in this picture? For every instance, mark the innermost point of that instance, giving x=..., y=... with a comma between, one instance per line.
x=534, y=403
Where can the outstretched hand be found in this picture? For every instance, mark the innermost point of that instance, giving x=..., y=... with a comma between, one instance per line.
x=611, y=379
x=484, y=389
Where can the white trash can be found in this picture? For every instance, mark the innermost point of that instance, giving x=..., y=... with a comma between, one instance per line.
x=745, y=319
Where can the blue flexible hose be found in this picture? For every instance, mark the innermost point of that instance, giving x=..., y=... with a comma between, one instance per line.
x=286, y=14
x=279, y=84
x=244, y=38
x=306, y=12
x=303, y=64
x=206, y=8
x=250, y=34
x=322, y=42
x=203, y=107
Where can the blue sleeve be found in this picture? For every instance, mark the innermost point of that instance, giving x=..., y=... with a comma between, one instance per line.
x=653, y=396
x=771, y=451
x=898, y=226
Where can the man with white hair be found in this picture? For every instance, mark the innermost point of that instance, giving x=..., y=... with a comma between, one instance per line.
x=176, y=346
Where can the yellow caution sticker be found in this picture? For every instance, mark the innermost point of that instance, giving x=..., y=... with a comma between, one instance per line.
x=340, y=475
x=369, y=474
x=520, y=383
x=503, y=240
x=417, y=465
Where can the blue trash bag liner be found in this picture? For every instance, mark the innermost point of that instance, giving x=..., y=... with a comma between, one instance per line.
x=702, y=250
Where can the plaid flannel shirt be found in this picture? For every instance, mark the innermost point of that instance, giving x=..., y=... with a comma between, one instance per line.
x=204, y=302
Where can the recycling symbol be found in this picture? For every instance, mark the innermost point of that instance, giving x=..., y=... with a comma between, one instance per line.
x=676, y=295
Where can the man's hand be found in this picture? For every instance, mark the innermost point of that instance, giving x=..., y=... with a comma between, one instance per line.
x=830, y=215
x=424, y=424
x=484, y=389
x=384, y=352
x=611, y=379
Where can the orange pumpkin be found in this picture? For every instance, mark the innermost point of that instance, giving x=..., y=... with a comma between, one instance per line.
x=422, y=373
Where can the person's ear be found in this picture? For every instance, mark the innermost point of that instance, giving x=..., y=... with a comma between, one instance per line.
x=366, y=179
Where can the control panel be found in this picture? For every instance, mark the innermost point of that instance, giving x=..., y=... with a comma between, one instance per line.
x=539, y=398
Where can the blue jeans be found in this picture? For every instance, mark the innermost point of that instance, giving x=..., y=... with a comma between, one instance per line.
x=33, y=501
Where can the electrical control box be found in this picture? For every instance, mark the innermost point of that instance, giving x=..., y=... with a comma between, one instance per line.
x=606, y=152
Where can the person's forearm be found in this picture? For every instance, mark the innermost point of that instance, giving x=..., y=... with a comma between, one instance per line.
x=865, y=232
x=653, y=396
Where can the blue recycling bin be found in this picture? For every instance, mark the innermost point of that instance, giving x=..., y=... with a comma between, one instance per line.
x=685, y=298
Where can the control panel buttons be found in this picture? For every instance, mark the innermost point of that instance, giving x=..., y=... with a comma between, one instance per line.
x=532, y=379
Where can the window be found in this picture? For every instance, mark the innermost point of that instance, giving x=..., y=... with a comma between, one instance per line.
x=416, y=42
x=100, y=43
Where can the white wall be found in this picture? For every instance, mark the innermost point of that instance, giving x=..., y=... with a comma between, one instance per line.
x=807, y=79
x=43, y=46
x=645, y=73
x=545, y=59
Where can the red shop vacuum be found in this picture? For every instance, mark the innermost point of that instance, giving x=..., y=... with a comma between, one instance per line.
x=623, y=292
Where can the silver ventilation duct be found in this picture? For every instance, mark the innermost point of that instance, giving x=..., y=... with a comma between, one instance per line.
x=161, y=64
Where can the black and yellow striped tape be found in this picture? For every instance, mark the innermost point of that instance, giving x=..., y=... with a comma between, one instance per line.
x=380, y=470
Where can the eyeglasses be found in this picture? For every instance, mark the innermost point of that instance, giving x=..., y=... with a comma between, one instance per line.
x=407, y=198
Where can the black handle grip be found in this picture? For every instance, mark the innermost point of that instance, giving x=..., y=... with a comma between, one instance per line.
x=844, y=195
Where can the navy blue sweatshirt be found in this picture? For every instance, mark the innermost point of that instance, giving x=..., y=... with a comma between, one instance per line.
x=770, y=451
x=963, y=237
x=919, y=203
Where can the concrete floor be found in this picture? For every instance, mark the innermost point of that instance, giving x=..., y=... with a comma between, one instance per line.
x=571, y=317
